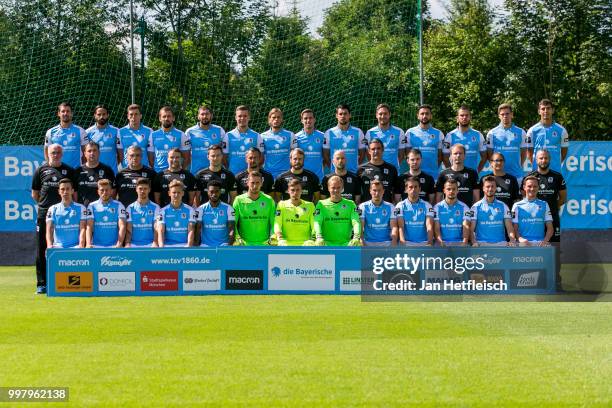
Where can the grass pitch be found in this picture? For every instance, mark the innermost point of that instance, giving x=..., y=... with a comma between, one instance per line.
x=303, y=350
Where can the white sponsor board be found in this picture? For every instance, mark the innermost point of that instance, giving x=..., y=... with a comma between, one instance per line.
x=116, y=281
x=352, y=281
x=202, y=280
x=301, y=272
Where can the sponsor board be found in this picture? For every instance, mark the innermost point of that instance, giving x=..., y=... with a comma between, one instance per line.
x=201, y=280
x=301, y=272
x=355, y=281
x=528, y=279
x=441, y=276
x=494, y=276
x=74, y=281
x=237, y=279
x=153, y=281
x=116, y=281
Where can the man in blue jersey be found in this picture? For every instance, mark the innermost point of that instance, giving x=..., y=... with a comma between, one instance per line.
x=452, y=218
x=427, y=183
x=106, y=136
x=202, y=136
x=66, y=220
x=106, y=223
x=176, y=223
x=134, y=134
x=164, y=139
x=415, y=216
x=277, y=144
x=548, y=135
x=490, y=218
x=378, y=221
x=392, y=137
x=509, y=140
x=428, y=140
x=68, y=135
x=141, y=217
x=215, y=219
x=241, y=139
x=310, y=141
x=533, y=222
x=472, y=140
x=345, y=137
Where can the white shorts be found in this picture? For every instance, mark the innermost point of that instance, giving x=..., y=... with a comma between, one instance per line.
x=377, y=244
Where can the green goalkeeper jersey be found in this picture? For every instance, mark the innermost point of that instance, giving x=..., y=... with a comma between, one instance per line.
x=337, y=222
x=295, y=223
x=254, y=219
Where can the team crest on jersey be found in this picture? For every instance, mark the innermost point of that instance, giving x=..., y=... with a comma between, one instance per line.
x=384, y=213
x=457, y=213
x=386, y=171
x=422, y=180
x=150, y=212
x=304, y=178
x=221, y=213
x=262, y=204
x=183, y=215
x=111, y=210
x=64, y=172
x=317, y=140
x=550, y=179
x=181, y=176
x=223, y=175
x=248, y=140
x=349, y=179
x=473, y=138
x=420, y=211
x=465, y=175
x=101, y=173
x=144, y=174
x=343, y=206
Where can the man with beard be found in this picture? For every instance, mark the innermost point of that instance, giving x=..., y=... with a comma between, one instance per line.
x=532, y=219
x=253, y=160
x=241, y=139
x=310, y=141
x=161, y=182
x=165, y=138
x=507, y=190
x=426, y=183
x=309, y=180
x=215, y=219
x=378, y=221
x=452, y=218
x=466, y=178
x=106, y=137
x=350, y=181
x=277, y=144
x=127, y=178
x=106, y=225
x=89, y=173
x=215, y=171
x=134, y=134
x=345, y=137
x=254, y=214
x=472, y=140
x=415, y=216
x=491, y=218
x=141, y=216
x=202, y=136
x=392, y=137
x=428, y=140
x=68, y=135
x=549, y=135
x=378, y=169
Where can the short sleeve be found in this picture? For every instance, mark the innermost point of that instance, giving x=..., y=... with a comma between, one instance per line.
x=224, y=141
x=260, y=143
x=525, y=141
x=446, y=144
x=514, y=213
x=150, y=147
x=548, y=215
x=185, y=142
x=402, y=139
x=564, y=138
x=507, y=212
x=363, y=142
x=230, y=213
x=326, y=139
x=482, y=146
x=399, y=211
x=192, y=216
x=83, y=136
x=362, y=212
x=122, y=212
x=430, y=211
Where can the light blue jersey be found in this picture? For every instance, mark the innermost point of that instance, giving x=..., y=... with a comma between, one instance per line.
x=312, y=145
x=393, y=140
x=215, y=223
x=176, y=222
x=429, y=142
x=71, y=139
x=551, y=138
x=350, y=141
x=142, y=219
x=277, y=147
x=135, y=137
x=472, y=140
x=106, y=221
x=490, y=220
x=238, y=145
x=531, y=217
x=161, y=142
x=377, y=227
x=66, y=223
x=200, y=140
x=108, y=140
x=414, y=216
x=451, y=218
x=509, y=142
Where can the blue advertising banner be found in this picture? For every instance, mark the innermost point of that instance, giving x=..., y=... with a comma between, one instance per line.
x=18, y=166
x=17, y=211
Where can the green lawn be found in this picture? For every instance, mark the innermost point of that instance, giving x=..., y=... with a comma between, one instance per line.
x=303, y=350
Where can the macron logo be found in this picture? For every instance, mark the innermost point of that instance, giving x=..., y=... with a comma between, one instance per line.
x=115, y=261
x=528, y=280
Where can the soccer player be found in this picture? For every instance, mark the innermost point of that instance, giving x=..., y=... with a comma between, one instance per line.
x=106, y=219
x=509, y=140
x=309, y=180
x=336, y=218
x=127, y=178
x=472, y=140
x=162, y=181
x=45, y=192
x=165, y=138
x=552, y=189
x=215, y=219
x=350, y=181
x=66, y=220
x=253, y=160
x=294, y=221
x=241, y=139
x=549, y=135
x=377, y=216
x=176, y=222
x=215, y=171
x=427, y=183
x=68, y=135
x=507, y=190
x=106, y=137
x=466, y=178
x=452, y=218
x=428, y=140
x=140, y=217
x=532, y=219
x=392, y=137
x=415, y=216
x=254, y=214
x=202, y=136
x=345, y=137
x=378, y=169
x=134, y=134
x=88, y=174
x=310, y=141
x=491, y=218
x=277, y=144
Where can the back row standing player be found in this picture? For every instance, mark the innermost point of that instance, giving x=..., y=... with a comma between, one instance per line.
x=472, y=140
x=347, y=138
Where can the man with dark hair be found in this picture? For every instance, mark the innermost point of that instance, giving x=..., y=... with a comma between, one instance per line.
x=507, y=189
x=254, y=214
x=277, y=144
x=165, y=138
x=427, y=183
x=106, y=225
x=106, y=136
x=415, y=216
x=428, y=140
x=533, y=223
x=392, y=137
x=310, y=141
x=253, y=160
x=472, y=140
x=88, y=174
x=309, y=180
x=378, y=169
x=203, y=135
x=141, y=216
x=241, y=139
x=134, y=134
x=177, y=220
x=66, y=220
x=466, y=178
x=68, y=135
x=345, y=137
x=549, y=135
x=452, y=217
x=491, y=218
x=215, y=219
x=127, y=178
x=162, y=181
x=215, y=171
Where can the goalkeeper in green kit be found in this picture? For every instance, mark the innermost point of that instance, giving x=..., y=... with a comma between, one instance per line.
x=294, y=222
x=336, y=218
x=254, y=214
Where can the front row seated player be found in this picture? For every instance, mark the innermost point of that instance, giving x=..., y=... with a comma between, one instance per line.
x=452, y=218
x=141, y=216
x=378, y=218
x=415, y=216
x=294, y=221
x=532, y=219
x=215, y=219
x=254, y=214
x=66, y=220
x=336, y=221
x=106, y=219
x=491, y=218
x=176, y=222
